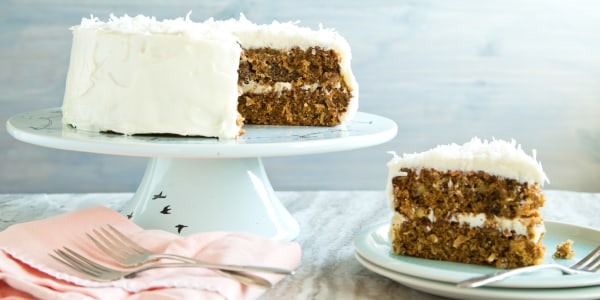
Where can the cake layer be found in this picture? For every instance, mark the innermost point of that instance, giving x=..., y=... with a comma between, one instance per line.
x=456, y=242
x=269, y=66
x=305, y=108
x=447, y=192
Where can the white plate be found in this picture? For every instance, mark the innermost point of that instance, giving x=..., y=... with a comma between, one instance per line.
x=450, y=290
x=373, y=244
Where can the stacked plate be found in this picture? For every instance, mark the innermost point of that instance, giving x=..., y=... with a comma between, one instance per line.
x=373, y=251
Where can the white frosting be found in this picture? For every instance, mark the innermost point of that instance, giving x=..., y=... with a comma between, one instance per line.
x=310, y=87
x=182, y=79
x=518, y=225
x=254, y=87
x=138, y=25
x=289, y=35
x=497, y=157
x=139, y=75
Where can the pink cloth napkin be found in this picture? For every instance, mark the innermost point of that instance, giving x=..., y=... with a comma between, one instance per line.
x=28, y=272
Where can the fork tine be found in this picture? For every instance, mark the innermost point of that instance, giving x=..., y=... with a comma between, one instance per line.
x=70, y=264
x=584, y=261
x=107, y=246
x=593, y=265
x=126, y=240
x=101, y=245
x=594, y=269
x=87, y=261
x=117, y=237
x=76, y=263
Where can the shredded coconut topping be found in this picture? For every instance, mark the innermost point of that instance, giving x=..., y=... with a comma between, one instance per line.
x=278, y=35
x=497, y=157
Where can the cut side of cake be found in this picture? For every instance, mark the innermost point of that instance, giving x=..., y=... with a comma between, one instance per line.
x=476, y=203
x=292, y=87
x=291, y=75
x=137, y=75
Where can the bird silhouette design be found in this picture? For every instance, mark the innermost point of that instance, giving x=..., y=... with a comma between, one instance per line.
x=166, y=210
x=180, y=227
x=159, y=196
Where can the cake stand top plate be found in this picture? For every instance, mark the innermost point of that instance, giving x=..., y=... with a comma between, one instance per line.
x=44, y=128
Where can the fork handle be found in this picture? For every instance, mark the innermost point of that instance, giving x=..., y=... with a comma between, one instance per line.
x=246, y=278
x=236, y=275
x=225, y=267
x=494, y=277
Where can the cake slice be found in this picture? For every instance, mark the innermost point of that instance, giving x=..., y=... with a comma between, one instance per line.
x=476, y=203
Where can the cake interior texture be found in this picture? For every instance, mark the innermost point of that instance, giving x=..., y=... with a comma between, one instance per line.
x=431, y=201
x=292, y=87
x=476, y=203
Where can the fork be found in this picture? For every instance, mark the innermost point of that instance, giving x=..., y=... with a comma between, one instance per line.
x=99, y=272
x=130, y=254
x=589, y=264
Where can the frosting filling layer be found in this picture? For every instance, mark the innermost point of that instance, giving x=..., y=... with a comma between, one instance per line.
x=530, y=227
x=254, y=87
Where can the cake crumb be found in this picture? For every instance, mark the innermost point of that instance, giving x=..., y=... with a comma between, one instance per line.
x=564, y=250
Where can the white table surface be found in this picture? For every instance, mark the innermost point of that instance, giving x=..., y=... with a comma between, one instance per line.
x=329, y=221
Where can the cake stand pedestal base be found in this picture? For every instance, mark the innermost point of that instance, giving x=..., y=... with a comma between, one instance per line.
x=202, y=184
x=189, y=195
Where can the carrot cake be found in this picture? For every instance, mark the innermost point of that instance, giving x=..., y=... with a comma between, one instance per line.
x=476, y=203
x=137, y=75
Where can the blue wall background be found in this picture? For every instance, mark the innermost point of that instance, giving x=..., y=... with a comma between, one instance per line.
x=445, y=71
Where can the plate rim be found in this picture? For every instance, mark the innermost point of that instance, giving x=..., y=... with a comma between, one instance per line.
x=393, y=262
x=446, y=289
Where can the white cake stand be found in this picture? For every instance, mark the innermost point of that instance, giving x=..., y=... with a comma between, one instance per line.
x=205, y=184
